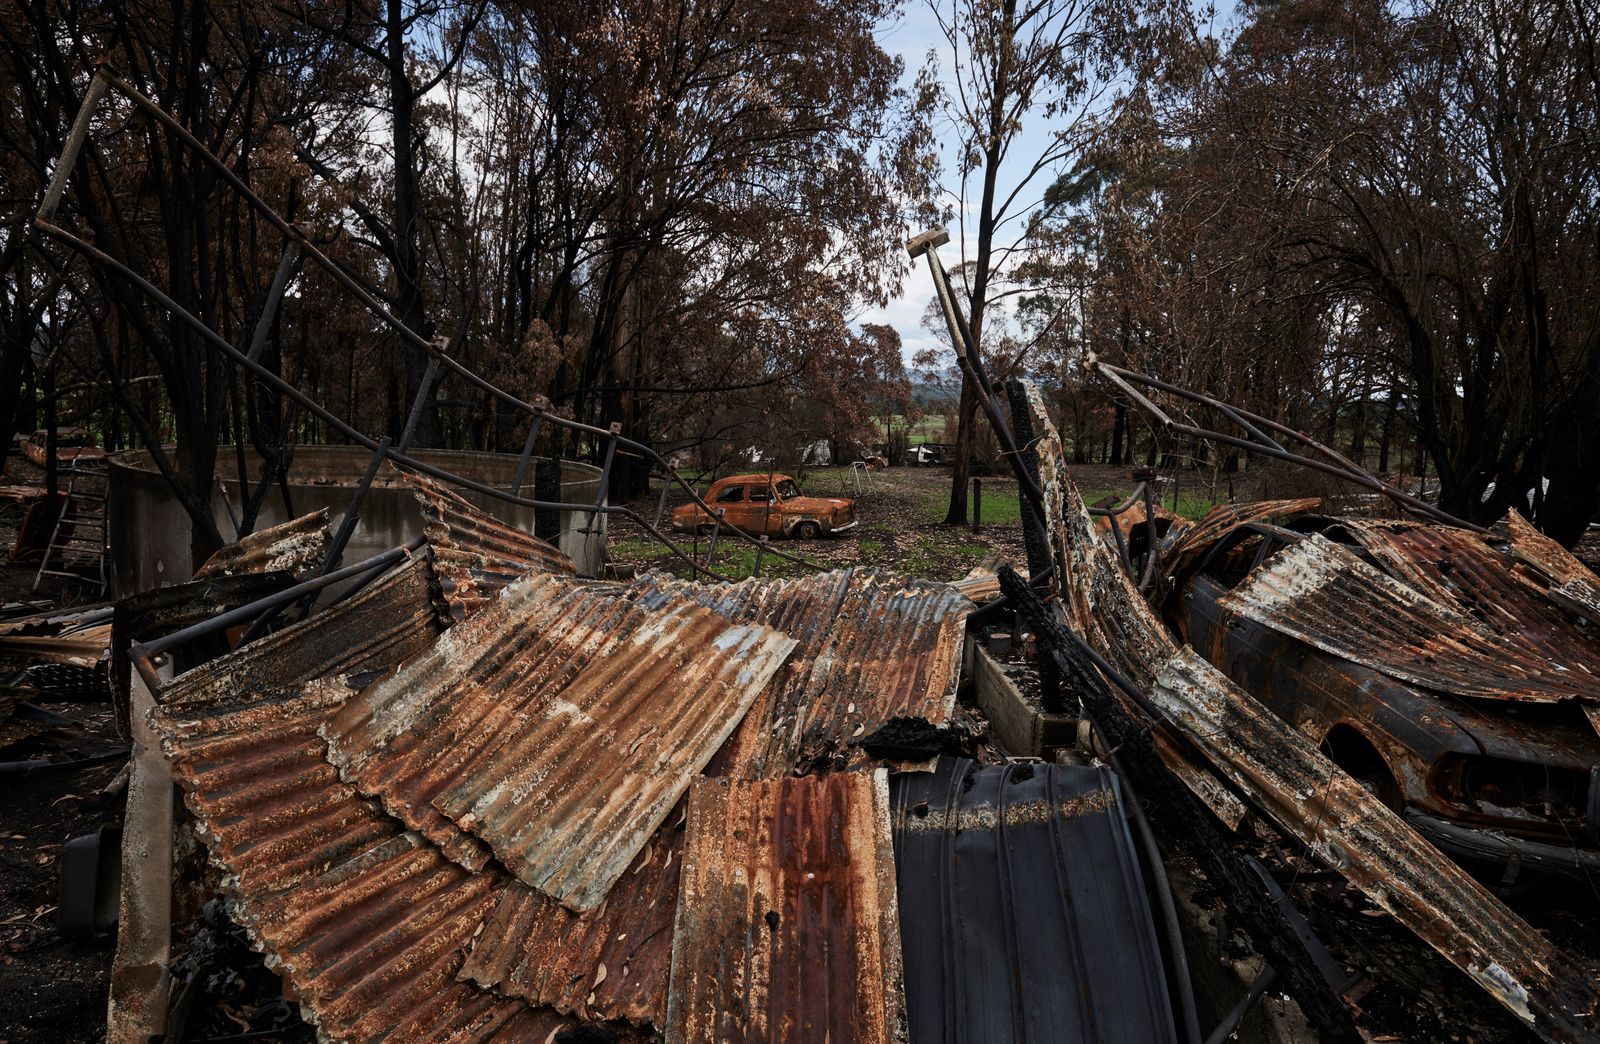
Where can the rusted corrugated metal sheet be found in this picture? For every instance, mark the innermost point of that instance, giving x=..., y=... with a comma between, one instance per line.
x=1323, y=594
x=390, y=620
x=1022, y=908
x=609, y=964
x=872, y=646
x=1351, y=829
x=1572, y=585
x=1222, y=519
x=558, y=725
x=475, y=555
x=295, y=547
x=365, y=919
x=787, y=927
x=1458, y=568
x=1102, y=604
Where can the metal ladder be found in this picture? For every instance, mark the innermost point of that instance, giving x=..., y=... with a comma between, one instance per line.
x=83, y=517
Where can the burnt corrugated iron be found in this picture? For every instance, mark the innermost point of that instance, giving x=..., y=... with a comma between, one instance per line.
x=1184, y=547
x=558, y=725
x=1325, y=595
x=872, y=647
x=1458, y=568
x=475, y=555
x=1023, y=914
x=609, y=964
x=295, y=547
x=365, y=919
x=786, y=927
x=391, y=619
x=1102, y=604
x=1572, y=585
x=1351, y=829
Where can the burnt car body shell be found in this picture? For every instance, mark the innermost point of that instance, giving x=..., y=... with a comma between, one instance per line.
x=1423, y=737
x=753, y=504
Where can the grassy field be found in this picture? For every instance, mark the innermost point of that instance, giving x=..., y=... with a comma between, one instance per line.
x=929, y=429
x=901, y=513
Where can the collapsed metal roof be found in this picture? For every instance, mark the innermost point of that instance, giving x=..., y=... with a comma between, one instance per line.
x=871, y=647
x=611, y=963
x=787, y=925
x=295, y=547
x=1571, y=584
x=1325, y=595
x=1458, y=568
x=381, y=625
x=559, y=725
x=1190, y=542
x=1351, y=829
x=1022, y=908
x=474, y=554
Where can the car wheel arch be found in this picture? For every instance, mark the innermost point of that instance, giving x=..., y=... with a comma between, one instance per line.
x=1349, y=747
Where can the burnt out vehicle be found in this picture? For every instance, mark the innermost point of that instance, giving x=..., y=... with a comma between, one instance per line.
x=1417, y=661
x=768, y=505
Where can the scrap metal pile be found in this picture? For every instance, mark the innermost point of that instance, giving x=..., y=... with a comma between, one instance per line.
x=481, y=797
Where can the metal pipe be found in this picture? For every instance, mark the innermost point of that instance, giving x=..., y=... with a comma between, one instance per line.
x=1169, y=908
x=1343, y=468
x=527, y=455
x=142, y=654
x=1230, y=1022
x=419, y=404
x=69, y=152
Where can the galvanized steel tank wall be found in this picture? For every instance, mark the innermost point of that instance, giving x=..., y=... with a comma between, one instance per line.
x=150, y=532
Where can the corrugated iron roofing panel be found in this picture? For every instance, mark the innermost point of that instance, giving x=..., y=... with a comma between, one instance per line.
x=1458, y=568
x=381, y=625
x=609, y=964
x=296, y=547
x=1351, y=829
x=1222, y=519
x=365, y=919
x=1323, y=594
x=786, y=927
x=1572, y=585
x=474, y=554
x=558, y=725
x=1102, y=604
x=872, y=646
x=1022, y=908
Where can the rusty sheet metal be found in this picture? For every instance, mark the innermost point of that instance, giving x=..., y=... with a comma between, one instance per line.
x=1352, y=830
x=390, y=620
x=787, y=928
x=365, y=919
x=558, y=725
x=296, y=547
x=1572, y=585
x=872, y=646
x=1458, y=568
x=609, y=964
x=1189, y=544
x=1102, y=604
x=1023, y=914
x=475, y=555
x=1323, y=594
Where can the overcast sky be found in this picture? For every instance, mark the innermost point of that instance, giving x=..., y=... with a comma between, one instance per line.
x=911, y=36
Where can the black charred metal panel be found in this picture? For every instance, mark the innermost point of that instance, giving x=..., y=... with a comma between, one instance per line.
x=1023, y=915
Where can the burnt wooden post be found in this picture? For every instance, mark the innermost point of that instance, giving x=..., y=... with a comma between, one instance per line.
x=547, y=487
x=1034, y=541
